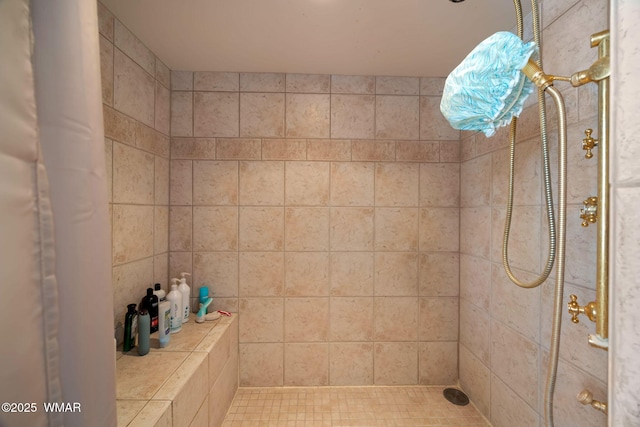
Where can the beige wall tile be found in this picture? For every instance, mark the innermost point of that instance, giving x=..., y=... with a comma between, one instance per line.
x=160, y=229
x=396, y=274
x=262, y=82
x=261, y=365
x=397, y=85
x=180, y=229
x=397, y=117
x=162, y=109
x=307, y=183
x=476, y=182
x=180, y=261
x=450, y=151
x=284, y=149
x=308, y=116
x=397, y=184
x=475, y=380
x=218, y=271
x=128, y=43
x=438, y=363
x=261, y=320
x=181, y=182
x=508, y=409
x=151, y=140
x=130, y=282
x=161, y=175
x=193, y=148
x=306, y=274
x=395, y=319
x=353, y=84
x=215, y=183
x=329, y=149
x=475, y=280
x=134, y=89
x=216, y=81
x=262, y=115
x=106, y=70
x=439, y=274
x=163, y=74
x=351, y=363
x=475, y=231
x=105, y=22
x=352, y=273
x=215, y=228
x=133, y=175
x=261, y=229
x=439, y=229
x=475, y=330
x=306, y=319
x=524, y=238
x=181, y=113
x=306, y=364
x=306, y=229
x=216, y=114
x=352, y=184
x=308, y=83
x=417, y=151
x=395, y=363
x=439, y=184
x=431, y=86
x=238, y=149
x=181, y=80
x=371, y=150
x=118, y=126
x=513, y=358
x=351, y=229
x=261, y=274
x=352, y=116
x=108, y=157
x=132, y=233
x=438, y=319
x=433, y=125
x=261, y=183
x=351, y=319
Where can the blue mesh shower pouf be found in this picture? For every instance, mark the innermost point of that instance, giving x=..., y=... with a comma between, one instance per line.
x=487, y=89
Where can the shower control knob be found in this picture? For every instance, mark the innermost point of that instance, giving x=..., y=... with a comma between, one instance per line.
x=589, y=214
x=575, y=309
x=589, y=143
x=586, y=398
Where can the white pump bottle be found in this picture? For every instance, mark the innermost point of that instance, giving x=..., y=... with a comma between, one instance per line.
x=175, y=298
x=185, y=290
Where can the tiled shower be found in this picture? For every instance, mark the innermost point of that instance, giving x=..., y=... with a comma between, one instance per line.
x=355, y=232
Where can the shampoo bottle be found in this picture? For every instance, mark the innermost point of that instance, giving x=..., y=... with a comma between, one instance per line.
x=185, y=290
x=144, y=328
x=159, y=292
x=164, y=322
x=175, y=299
x=150, y=303
x=130, y=326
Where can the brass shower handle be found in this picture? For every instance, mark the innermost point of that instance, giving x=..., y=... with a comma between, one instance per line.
x=575, y=309
x=589, y=214
x=589, y=143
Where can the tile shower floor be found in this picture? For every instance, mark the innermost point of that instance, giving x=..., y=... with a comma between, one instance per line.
x=348, y=406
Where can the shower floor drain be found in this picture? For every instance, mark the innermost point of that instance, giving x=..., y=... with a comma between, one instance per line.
x=455, y=396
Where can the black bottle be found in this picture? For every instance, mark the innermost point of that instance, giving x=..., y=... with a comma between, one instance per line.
x=130, y=326
x=150, y=303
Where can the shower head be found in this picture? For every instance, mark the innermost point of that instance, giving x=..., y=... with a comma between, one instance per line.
x=489, y=86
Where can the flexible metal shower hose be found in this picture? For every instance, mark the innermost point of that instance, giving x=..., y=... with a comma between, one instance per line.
x=556, y=242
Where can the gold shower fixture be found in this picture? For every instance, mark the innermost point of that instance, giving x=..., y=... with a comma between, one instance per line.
x=589, y=143
x=575, y=310
x=589, y=214
x=586, y=398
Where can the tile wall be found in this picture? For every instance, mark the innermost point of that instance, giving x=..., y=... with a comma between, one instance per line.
x=136, y=99
x=505, y=330
x=325, y=210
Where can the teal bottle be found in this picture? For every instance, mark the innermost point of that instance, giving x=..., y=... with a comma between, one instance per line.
x=130, y=325
x=144, y=332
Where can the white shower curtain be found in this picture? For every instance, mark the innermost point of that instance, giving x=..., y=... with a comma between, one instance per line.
x=56, y=305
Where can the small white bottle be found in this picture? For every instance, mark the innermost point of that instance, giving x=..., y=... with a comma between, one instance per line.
x=175, y=298
x=185, y=290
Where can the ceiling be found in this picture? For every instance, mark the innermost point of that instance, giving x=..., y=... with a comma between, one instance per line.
x=425, y=38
